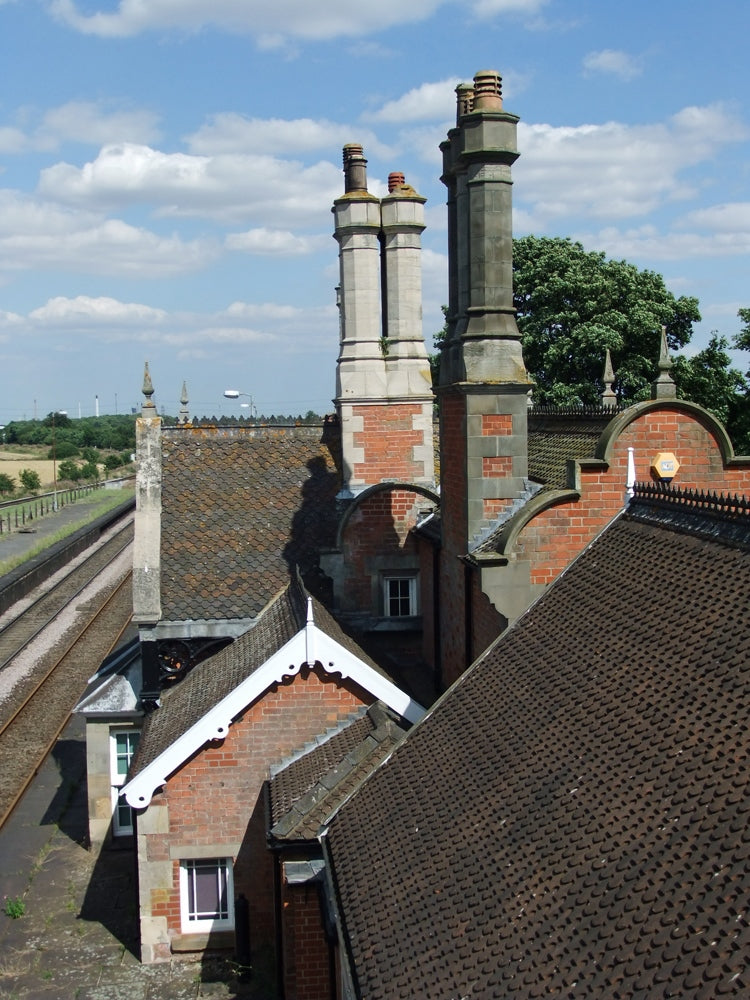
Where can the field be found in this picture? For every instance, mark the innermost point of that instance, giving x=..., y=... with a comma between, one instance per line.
x=11, y=464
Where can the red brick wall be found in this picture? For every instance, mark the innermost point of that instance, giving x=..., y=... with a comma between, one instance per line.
x=306, y=951
x=216, y=797
x=377, y=537
x=486, y=623
x=558, y=534
x=388, y=438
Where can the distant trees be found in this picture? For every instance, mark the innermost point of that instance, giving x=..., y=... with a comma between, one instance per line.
x=112, y=432
x=7, y=483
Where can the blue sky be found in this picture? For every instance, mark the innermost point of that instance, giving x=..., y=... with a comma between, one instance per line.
x=167, y=169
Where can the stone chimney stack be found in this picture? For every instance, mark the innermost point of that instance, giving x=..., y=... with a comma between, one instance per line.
x=483, y=385
x=383, y=389
x=147, y=540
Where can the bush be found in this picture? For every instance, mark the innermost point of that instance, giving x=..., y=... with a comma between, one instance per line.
x=89, y=471
x=90, y=455
x=62, y=449
x=68, y=470
x=30, y=480
x=7, y=483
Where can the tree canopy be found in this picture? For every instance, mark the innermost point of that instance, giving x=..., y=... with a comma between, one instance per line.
x=572, y=304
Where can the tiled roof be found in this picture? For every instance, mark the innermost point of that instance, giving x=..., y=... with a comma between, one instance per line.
x=305, y=793
x=240, y=507
x=213, y=679
x=573, y=817
x=559, y=434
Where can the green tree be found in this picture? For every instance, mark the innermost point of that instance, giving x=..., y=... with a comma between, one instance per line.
x=68, y=470
x=7, y=483
x=30, y=480
x=742, y=339
x=573, y=304
x=90, y=471
x=62, y=449
x=709, y=379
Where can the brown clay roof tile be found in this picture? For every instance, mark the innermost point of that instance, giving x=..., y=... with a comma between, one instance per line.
x=573, y=817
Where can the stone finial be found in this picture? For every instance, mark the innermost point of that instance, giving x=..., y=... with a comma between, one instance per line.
x=664, y=386
x=608, y=397
x=355, y=168
x=464, y=100
x=488, y=91
x=183, y=417
x=148, y=406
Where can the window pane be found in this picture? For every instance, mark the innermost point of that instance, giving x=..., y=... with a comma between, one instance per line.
x=207, y=890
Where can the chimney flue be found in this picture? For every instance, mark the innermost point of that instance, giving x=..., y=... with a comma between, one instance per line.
x=355, y=168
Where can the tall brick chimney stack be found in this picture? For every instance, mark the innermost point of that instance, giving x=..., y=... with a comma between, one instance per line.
x=383, y=388
x=483, y=382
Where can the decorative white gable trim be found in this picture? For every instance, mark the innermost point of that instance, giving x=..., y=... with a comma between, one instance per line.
x=309, y=646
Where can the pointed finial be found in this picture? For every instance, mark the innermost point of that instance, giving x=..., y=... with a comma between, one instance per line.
x=664, y=387
x=630, y=481
x=183, y=417
x=608, y=397
x=148, y=390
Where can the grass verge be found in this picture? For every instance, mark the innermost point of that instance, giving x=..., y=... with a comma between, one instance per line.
x=103, y=501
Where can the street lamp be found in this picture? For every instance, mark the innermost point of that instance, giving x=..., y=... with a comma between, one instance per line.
x=235, y=394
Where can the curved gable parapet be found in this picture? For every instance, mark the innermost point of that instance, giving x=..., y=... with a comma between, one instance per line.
x=712, y=424
x=372, y=491
x=507, y=537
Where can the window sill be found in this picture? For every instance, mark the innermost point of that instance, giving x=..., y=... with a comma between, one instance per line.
x=203, y=940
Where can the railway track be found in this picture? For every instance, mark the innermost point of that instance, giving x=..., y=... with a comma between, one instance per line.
x=17, y=633
x=37, y=706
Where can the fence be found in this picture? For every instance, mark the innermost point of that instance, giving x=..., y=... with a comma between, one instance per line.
x=17, y=515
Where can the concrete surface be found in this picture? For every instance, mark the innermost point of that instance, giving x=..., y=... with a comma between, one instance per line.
x=77, y=938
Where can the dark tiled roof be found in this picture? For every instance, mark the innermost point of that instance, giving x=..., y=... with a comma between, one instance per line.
x=240, y=507
x=573, y=817
x=305, y=793
x=559, y=434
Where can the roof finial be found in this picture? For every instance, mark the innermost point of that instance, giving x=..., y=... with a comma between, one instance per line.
x=148, y=390
x=664, y=387
x=183, y=417
x=608, y=397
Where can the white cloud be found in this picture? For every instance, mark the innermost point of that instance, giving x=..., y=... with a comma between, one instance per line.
x=230, y=132
x=428, y=102
x=275, y=243
x=648, y=243
x=616, y=170
x=272, y=24
x=85, y=310
x=728, y=218
x=291, y=18
x=613, y=61
x=87, y=122
x=35, y=234
x=227, y=188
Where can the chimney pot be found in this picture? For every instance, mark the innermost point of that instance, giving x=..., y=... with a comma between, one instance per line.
x=395, y=180
x=488, y=91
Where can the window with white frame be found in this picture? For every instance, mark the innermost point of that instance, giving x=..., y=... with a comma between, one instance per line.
x=206, y=894
x=122, y=743
x=400, y=596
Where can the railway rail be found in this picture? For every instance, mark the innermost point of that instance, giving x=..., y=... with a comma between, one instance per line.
x=17, y=633
x=38, y=704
